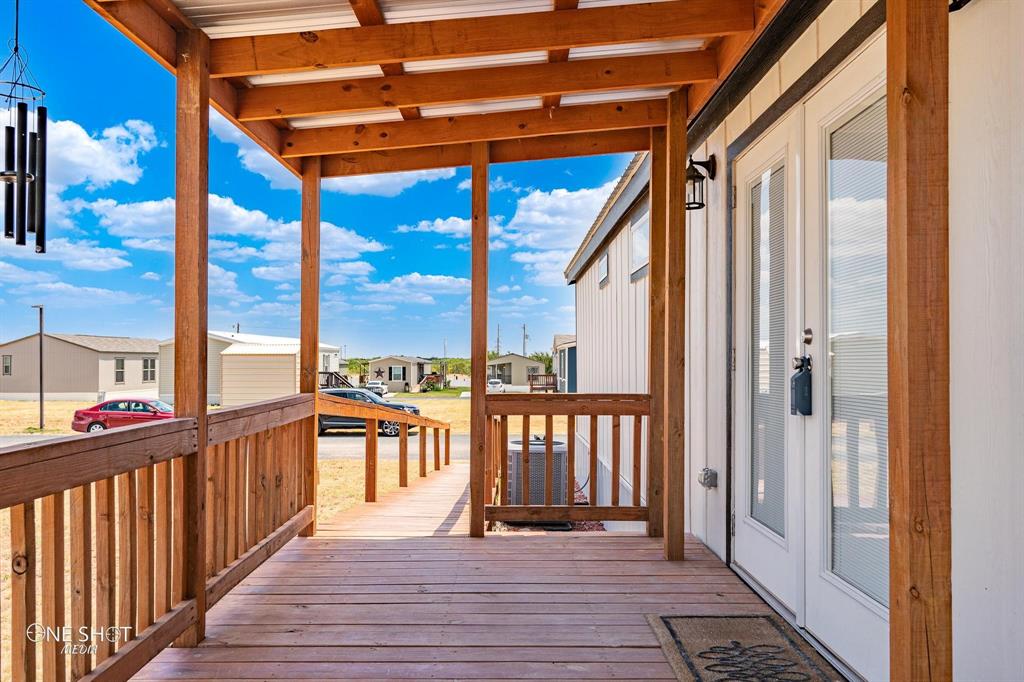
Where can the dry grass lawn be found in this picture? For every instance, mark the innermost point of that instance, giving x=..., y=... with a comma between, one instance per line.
x=456, y=412
x=22, y=416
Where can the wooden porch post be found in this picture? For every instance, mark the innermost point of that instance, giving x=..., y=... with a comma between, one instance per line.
x=920, y=588
x=309, y=352
x=656, y=342
x=192, y=127
x=478, y=342
x=675, y=325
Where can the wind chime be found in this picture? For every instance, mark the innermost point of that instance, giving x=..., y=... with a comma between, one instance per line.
x=24, y=169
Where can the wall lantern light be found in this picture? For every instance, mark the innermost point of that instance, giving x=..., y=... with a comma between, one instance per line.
x=695, y=182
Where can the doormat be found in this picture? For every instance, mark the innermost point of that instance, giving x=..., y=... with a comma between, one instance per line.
x=761, y=648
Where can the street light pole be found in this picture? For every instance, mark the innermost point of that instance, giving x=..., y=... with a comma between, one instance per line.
x=42, y=420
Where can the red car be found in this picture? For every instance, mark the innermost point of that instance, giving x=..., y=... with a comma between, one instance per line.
x=120, y=412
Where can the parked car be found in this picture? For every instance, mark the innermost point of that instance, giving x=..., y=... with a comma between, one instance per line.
x=377, y=386
x=495, y=386
x=111, y=414
x=386, y=428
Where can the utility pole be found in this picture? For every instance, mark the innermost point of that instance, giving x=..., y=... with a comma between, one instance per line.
x=525, y=337
x=238, y=327
x=42, y=418
x=444, y=364
x=499, y=340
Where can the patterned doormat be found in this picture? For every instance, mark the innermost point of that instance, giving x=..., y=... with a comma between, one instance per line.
x=760, y=648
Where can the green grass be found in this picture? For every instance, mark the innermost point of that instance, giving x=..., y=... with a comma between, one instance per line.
x=440, y=393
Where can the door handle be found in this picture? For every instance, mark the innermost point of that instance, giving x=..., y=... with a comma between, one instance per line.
x=800, y=387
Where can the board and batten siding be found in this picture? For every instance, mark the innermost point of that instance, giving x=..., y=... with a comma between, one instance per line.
x=611, y=357
x=251, y=378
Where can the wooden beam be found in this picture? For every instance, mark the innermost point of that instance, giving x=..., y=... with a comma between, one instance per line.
x=474, y=128
x=559, y=55
x=475, y=36
x=478, y=340
x=541, y=514
x=656, y=339
x=675, y=326
x=192, y=130
x=309, y=351
x=502, y=151
x=369, y=13
x=153, y=26
x=917, y=99
x=474, y=85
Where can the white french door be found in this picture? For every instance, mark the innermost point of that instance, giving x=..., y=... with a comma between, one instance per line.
x=811, y=492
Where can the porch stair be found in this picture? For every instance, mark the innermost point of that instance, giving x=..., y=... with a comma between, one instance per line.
x=397, y=590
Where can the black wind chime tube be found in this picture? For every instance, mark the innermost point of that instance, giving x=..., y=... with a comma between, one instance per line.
x=21, y=168
x=9, y=186
x=39, y=209
x=31, y=205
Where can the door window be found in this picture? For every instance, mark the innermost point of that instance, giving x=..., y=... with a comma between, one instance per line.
x=858, y=378
x=767, y=347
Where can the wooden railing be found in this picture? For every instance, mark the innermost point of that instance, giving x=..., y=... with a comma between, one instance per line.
x=375, y=415
x=118, y=500
x=624, y=413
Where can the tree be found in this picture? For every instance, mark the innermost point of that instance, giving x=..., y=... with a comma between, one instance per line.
x=358, y=366
x=546, y=359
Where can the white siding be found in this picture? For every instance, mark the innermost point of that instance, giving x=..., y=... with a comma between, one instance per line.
x=987, y=316
x=165, y=366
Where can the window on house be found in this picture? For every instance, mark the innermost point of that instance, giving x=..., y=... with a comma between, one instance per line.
x=396, y=373
x=533, y=370
x=602, y=269
x=7, y=365
x=639, y=244
x=148, y=370
x=118, y=370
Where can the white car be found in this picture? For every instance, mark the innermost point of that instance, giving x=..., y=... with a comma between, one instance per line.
x=378, y=387
x=495, y=386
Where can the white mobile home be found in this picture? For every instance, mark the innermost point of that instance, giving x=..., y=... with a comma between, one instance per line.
x=245, y=368
x=786, y=262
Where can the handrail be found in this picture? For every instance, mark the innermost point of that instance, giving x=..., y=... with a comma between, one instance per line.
x=343, y=407
x=246, y=420
x=580, y=404
x=43, y=468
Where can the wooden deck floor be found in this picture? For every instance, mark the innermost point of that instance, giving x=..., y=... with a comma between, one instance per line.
x=397, y=590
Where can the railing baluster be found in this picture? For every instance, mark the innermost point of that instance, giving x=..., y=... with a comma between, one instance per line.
x=126, y=567
x=230, y=510
x=145, y=547
x=53, y=583
x=161, y=538
x=616, y=459
x=255, y=504
x=525, y=450
x=488, y=459
x=371, y=460
x=592, y=493
x=637, y=461
x=81, y=571
x=106, y=562
x=437, y=449
x=423, y=451
x=503, y=461
x=23, y=590
x=178, y=530
x=570, y=460
x=262, y=489
x=447, y=447
x=241, y=493
x=549, y=459
x=273, y=455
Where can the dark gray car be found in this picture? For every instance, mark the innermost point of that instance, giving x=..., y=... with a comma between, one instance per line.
x=387, y=428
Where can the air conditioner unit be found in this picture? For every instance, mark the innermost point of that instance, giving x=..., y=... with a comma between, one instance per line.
x=537, y=471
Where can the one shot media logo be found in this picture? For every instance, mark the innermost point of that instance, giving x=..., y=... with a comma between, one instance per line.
x=81, y=640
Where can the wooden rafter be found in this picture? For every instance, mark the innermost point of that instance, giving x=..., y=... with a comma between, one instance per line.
x=155, y=31
x=473, y=36
x=560, y=55
x=473, y=85
x=369, y=13
x=501, y=151
x=476, y=127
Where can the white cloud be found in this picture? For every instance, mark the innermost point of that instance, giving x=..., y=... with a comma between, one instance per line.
x=344, y=272
x=84, y=254
x=557, y=219
x=414, y=282
x=224, y=284
x=385, y=184
x=544, y=268
x=63, y=295
x=505, y=288
x=12, y=274
x=277, y=273
x=284, y=286
x=150, y=277
x=453, y=227
x=498, y=184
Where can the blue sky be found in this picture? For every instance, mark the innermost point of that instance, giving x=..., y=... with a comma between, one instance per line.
x=395, y=253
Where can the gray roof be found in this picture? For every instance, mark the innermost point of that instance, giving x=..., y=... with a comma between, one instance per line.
x=403, y=358
x=110, y=344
